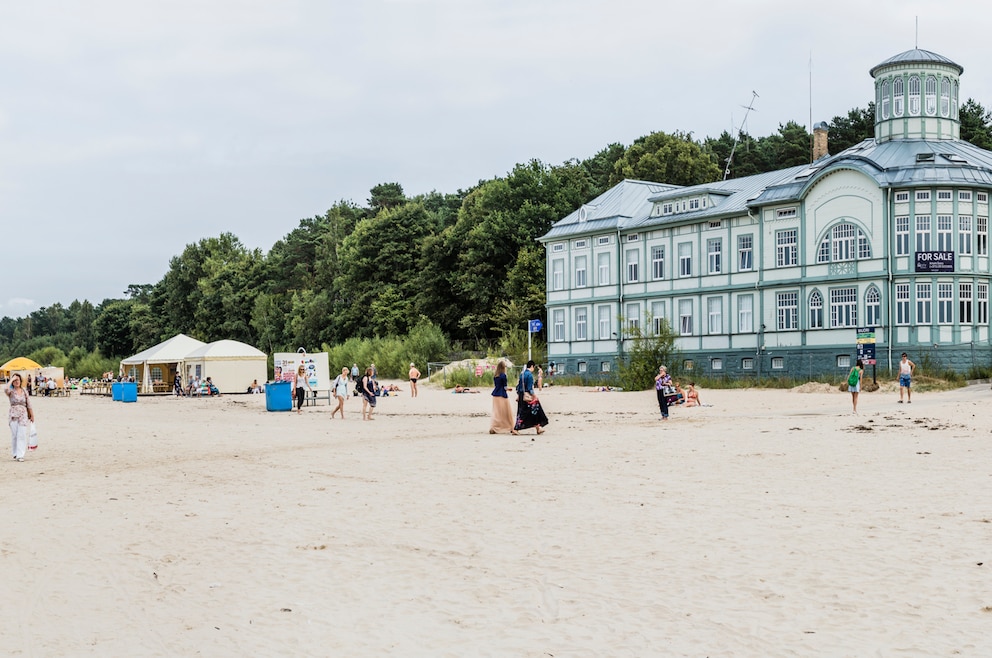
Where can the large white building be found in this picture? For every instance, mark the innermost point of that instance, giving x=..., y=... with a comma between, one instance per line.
x=774, y=273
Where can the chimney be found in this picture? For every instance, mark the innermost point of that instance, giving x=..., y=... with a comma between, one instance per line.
x=820, y=131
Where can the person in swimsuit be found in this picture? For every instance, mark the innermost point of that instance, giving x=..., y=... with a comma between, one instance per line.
x=414, y=376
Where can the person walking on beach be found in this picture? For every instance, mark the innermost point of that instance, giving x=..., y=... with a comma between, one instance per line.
x=20, y=416
x=340, y=388
x=854, y=382
x=501, y=421
x=300, y=384
x=414, y=376
x=368, y=394
x=529, y=410
x=354, y=373
x=906, y=368
x=662, y=381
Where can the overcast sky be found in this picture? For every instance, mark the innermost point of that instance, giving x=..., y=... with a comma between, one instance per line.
x=129, y=128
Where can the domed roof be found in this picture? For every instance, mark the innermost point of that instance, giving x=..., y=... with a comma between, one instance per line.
x=917, y=56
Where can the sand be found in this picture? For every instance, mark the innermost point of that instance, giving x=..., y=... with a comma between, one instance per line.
x=772, y=523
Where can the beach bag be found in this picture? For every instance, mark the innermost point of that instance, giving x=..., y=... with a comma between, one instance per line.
x=32, y=436
x=853, y=378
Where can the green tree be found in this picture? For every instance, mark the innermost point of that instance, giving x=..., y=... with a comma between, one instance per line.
x=386, y=196
x=600, y=167
x=976, y=124
x=113, y=328
x=674, y=159
x=646, y=351
x=857, y=126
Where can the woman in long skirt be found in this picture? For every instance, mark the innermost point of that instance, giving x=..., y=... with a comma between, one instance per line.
x=529, y=410
x=502, y=418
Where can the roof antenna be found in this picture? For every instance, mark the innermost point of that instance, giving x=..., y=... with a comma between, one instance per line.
x=730, y=158
x=917, y=33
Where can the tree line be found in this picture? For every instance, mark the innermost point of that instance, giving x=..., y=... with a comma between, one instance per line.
x=465, y=262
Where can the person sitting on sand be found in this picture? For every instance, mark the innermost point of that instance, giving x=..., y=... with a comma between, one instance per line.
x=463, y=389
x=692, y=396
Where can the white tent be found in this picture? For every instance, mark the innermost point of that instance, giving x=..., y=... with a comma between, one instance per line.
x=164, y=357
x=230, y=364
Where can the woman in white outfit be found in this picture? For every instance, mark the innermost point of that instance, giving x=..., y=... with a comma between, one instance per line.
x=20, y=417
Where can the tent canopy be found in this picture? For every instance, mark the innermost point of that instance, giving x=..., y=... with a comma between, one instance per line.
x=20, y=363
x=173, y=350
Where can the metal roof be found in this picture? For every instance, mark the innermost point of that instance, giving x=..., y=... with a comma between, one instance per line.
x=609, y=210
x=916, y=56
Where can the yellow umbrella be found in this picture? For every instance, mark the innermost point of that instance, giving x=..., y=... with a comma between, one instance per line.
x=20, y=363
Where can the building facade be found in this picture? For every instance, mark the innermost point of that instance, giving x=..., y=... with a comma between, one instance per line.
x=775, y=274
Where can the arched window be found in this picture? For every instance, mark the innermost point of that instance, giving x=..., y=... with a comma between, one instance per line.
x=914, y=96
x=884, y=104
x=945, y=97
x=897, y=97
x=931, y=95
x=816, y=310
x=843, y=242
x=873, y=307
x=954, y=100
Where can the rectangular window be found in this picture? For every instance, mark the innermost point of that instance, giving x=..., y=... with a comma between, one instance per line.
x=714, y=254
x=785, y=213
x=902, y=303
x=604, y=366
x=778, y=363
x=604, y=240
x=945, y=303
x=558, y=274
x=633, y=319
x=581, y=323
x=923, y=304
x=902, y=235
x=843, y=241
x=944, y=195
x=787, y=305
x=745, y=253
x=582, y=366
x=923, y=232
x=716, y=364
x=944, y=226
x=605, y=326
x=844, y=307
x=659, y=317
x=666, y=208
x=844, y=361
x=633, y=237
x=558, y=247
x=922, y=195
x=982, y=197
x=745, y=314
x=579, y=244
x=658, y=262
x=902, y=197
x=982, y=303
x=786, y=248
x=982, y=236
x=558, y=325
x=714, y=309
x=964, y=234
x=685, y=259
x=632, y=265
x=580, y=271
x=964, y=195
x=964, y=303
x=693, y=204
x=685, y=317
x=747, y=363
x=603, y=263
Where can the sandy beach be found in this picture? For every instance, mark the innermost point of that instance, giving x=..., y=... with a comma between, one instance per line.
x=771, y=523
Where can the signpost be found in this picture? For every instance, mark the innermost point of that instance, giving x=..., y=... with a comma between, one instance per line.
x=865, y=344
x=533, y=326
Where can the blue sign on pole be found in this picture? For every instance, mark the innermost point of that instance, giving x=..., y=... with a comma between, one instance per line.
x=535, y=326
